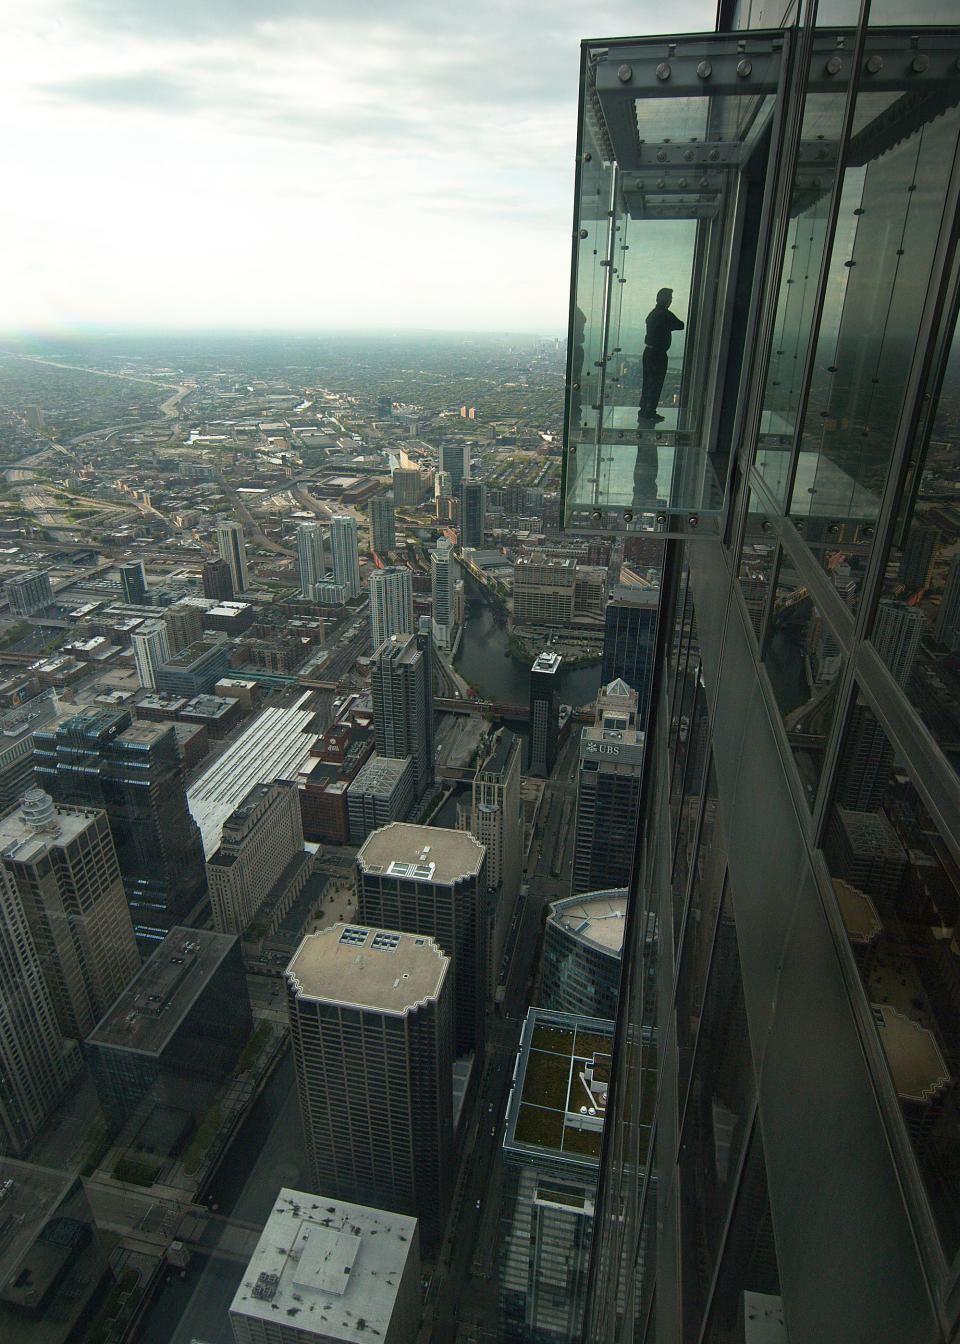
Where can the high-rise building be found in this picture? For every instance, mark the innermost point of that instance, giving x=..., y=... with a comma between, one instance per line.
x=630, y=620
x=608, y=792
x=383, y=526
x=544, y=713
x=408, y=487
x=217, y=579
x=63, y=864
x=582, y=942
x=28, y=592
x=454, y=461
x=919, y=553
x=473, y=512
x=233, y=550
x=184, y=625
x=133, y=583
x=151, y=648
x=336, y=1273
x=36, y=1064
x=194, y=670
x=551, y=1156
x=310, y=557
x=260, y=866
x=391, y=603
x=443, y=585
x=402, y=693
x=433, y=882
x=793, y=957
x=102, y=758
x=346, y=556
x=381, y=792
x=371, y=1024
x=494, y=818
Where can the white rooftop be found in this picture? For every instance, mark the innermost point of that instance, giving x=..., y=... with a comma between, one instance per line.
x=328, y=1267
x=274, y=746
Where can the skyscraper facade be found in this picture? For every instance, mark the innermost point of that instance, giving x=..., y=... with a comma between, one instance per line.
x=310, y=557
x=102, y=758
x=544, y=711
x=391, y=603
x=383, y=526
x=233, y=550
x=151, y=648
x=473, y=512
x=346, y=557
x=454, y=462
x=432, y=881
x=133, y=583
x=217, y=580
x=402, y=693
x=608, y=792
x=260, y=861
x=371, y=1024
x=629, y=622
x=794, y=958
x=63, y=864
x=443, y=584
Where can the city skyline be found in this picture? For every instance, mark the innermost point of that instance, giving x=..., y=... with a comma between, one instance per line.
x=193, y=166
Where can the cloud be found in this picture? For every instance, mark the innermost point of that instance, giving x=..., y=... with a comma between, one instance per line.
x=150, y=89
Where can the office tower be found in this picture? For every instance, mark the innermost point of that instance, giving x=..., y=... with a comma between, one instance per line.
x=53, y=1266
x=260, y=866
x=551, y=1156
x=407, y=487
x=381, y=792
x=454, y=461
x=433, y=882
x=217, y=580
x=948, y=615
x=36, y=1064
x=310, y=557
x=443, y=583
x=543, y=590
x=383, y=528
x=17, y=728
x=62, y=862
x=442, y=486
x=339, y=1273
x=102, y=758
x=629, y=623
x=151, y=648
x=232, y=549
x=583, y=938
x=184, y=625
x=171, y=1040
x=544, y=711
x=133, y=583
x=494, y=819
x=391, y=604
x=194, y=670
x=28, y=592
x=608, y=792
x=346, y=557
x=402, y=693
x=919, y=554
x=371, y=1024
x=473, y=510
x=807, y=1030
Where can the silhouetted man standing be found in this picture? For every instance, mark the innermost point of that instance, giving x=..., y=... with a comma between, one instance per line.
x=661, y=324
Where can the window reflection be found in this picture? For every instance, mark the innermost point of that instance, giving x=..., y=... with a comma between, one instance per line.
x=898, y=892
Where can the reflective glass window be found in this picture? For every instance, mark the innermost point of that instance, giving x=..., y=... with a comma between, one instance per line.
x=757, y=564
x=898, y=893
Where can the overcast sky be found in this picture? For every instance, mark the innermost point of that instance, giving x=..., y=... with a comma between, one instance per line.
x=295, y=163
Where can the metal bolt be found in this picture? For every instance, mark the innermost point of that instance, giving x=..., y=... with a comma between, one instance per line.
x=661, y=520
x=596, y=515
x=682, y=183
x=693, y=521
x=576, y=387
x=744, y=69
x=704, y=70
x=834, y=65
x=688, y=155
x=766, y=525
x=875, y=65
x=625, y=74
x=661, y=183
x=663, y=71
x=583, y=233
x=628, y=516
x=661, y=156
x=713, y=155
x=919, y=63
x=704, y=183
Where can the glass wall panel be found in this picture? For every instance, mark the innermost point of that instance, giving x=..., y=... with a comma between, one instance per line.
x=716, y=1122
x=890, y=218
x=804, y=662
x=757, y=565
x=746, y=1301
x=898, y=892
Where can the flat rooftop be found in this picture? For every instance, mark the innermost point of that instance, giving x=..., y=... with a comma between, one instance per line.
x=275, y=745
x=29, y=1196
x=558, y=1100
x=155, y=1003
x=20, y=843
x=596, y=917
x=381, y=969
x=429, y=853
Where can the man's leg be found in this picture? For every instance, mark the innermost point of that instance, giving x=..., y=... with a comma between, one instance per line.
x=654, y=373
